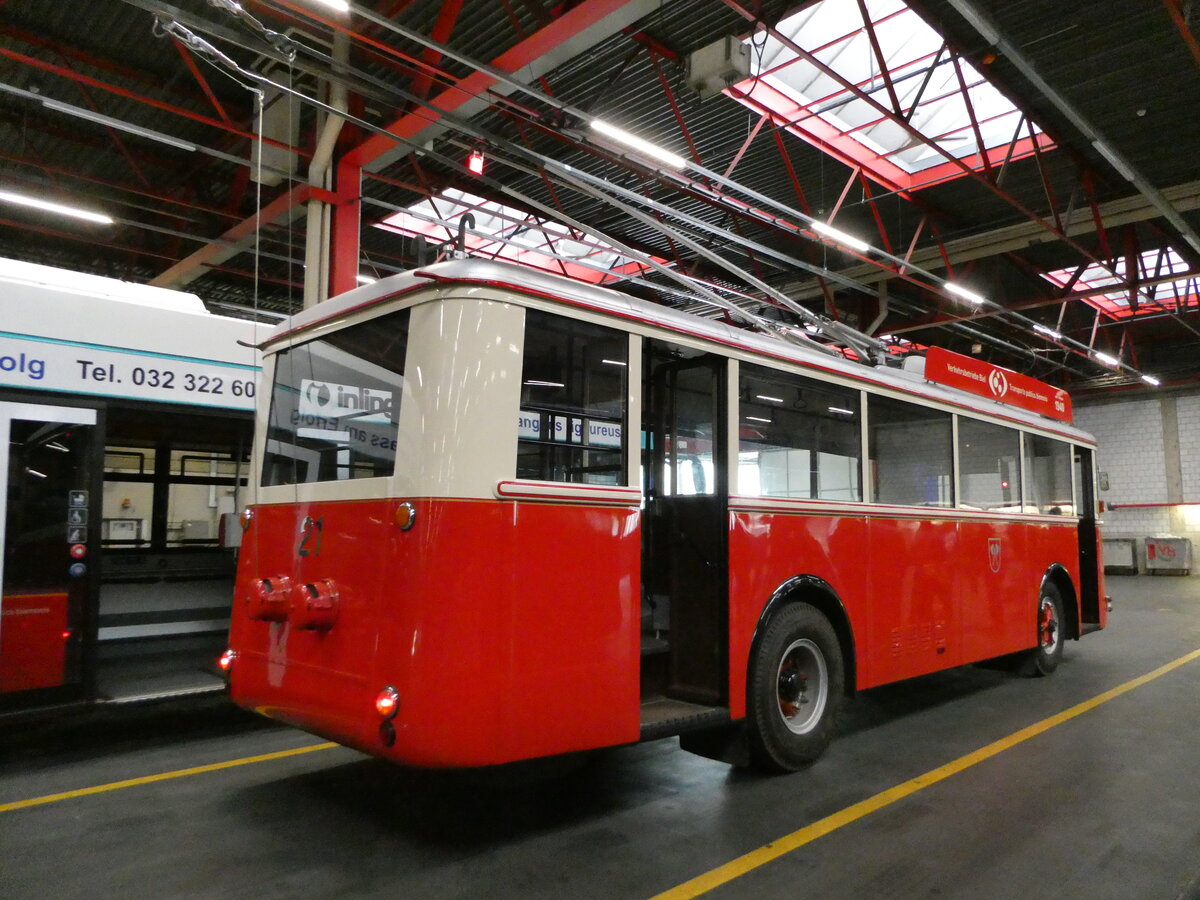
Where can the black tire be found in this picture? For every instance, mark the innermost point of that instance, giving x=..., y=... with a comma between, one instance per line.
x=1043, y=659
x=796, y=684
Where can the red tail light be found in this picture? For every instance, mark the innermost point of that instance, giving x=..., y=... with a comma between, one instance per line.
x=387, y=704
x=225, y=663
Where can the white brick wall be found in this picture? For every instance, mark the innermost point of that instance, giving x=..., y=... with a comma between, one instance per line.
x=1131, y=452
x=1188, y=411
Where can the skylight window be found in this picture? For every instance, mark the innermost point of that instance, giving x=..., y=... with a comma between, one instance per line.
x=939, y=95
x=503, y=232
x=1153, y=289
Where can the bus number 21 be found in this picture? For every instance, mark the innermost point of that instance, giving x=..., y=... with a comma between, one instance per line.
x=310, y=536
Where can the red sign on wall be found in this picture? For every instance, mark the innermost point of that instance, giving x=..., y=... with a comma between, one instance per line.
x=984, y=379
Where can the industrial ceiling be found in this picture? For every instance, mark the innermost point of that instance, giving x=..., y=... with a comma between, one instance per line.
x=1013, y=180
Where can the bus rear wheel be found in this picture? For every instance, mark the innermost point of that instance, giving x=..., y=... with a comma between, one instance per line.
x=796, y=684
x=1044, y=658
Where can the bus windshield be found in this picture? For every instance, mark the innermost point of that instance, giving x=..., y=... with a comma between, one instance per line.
x=335, y=405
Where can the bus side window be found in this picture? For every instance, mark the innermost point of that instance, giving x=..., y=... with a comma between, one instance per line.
x=572, y=418
x=797, y=437
x=910, y=451
x=1048, y=476
x=989, y=466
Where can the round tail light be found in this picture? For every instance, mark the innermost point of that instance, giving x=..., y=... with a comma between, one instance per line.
x=387, y=704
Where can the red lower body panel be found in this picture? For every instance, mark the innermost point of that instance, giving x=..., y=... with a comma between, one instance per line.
x=920, y=594
x=509, y=630
x=33, y=641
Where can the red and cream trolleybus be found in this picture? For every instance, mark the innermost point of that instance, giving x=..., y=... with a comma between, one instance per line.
x=501, y=515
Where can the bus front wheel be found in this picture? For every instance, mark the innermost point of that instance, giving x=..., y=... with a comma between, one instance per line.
x=796, y=685
x=1045, y=657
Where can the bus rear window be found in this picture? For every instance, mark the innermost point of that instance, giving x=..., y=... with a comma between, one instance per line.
x=335, y=404
x=573, y=389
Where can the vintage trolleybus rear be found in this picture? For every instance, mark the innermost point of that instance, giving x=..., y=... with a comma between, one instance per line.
x=501, y=515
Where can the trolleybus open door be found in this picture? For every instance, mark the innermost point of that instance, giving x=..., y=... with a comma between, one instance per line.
x=684, y=557
x=1092, y=603
x=48, y=514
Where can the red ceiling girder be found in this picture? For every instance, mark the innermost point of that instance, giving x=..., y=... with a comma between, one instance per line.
x=522, y=54
x=971, y=117
x=880, y=59
x=78, y=176
x=777, y=133
x=140, y=98
x=202, y=81
x=269, y=213
x=751, y=15
x=442, y=28
x=670, y=95
x=1175, y=10
x=737, y=157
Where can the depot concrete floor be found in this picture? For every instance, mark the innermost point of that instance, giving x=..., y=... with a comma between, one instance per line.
x=1105, y=803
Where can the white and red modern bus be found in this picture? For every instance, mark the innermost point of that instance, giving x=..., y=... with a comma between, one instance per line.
x=126, y=418
x=501, y=515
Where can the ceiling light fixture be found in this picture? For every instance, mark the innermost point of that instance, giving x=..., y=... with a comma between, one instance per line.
x=840, y=237
x=1151, y=380
x=1048, y=332
x=110, y=122
x=342, y=6
x=475, y=162
x=1106, y=359
x=61, y=209
x=965, y=293
x=636, y=143
x=365, y=279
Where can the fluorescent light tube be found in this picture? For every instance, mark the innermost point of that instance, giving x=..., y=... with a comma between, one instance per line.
x=1151, y=380
x=636, y=143
x=964, y=293
x=364, y=279
x=22, y=200
x=1106, y=359
x=1048, y=332
x=128, y=127
x=840, y=237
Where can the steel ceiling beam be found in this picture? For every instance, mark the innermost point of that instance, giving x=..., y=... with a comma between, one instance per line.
x=1013, y=238
x=119, y=91
x=232, y=240
x=989, y=32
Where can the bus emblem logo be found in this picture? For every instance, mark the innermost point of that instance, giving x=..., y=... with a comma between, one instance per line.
x=998, y=383
x=994, y=554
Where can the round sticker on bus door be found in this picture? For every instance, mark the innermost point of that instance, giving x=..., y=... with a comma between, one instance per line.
x=77, y=570
x=78, y=551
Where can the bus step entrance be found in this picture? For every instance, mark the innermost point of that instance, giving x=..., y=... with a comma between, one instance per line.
x=662, y=717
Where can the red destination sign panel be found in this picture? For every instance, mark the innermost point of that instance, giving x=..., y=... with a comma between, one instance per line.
x=1004, y=385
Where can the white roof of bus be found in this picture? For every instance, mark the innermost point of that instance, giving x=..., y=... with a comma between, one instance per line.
x=65, y=306
x=607, y=300
x=13, y=271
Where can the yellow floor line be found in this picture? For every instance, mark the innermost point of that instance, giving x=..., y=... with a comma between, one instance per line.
x=738, y=867
x=164, y=776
